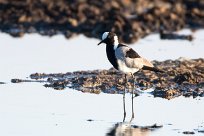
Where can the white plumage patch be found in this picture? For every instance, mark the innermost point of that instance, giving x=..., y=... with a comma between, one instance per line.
x=105, y=35
x=123, y=67
x=115, y=42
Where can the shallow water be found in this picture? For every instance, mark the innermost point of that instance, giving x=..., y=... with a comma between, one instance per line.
x=31, y=109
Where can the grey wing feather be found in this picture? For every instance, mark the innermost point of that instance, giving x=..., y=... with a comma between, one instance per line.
x=131, y=62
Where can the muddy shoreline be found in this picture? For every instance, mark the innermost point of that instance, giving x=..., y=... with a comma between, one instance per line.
x=182, y=77
x=131, y=20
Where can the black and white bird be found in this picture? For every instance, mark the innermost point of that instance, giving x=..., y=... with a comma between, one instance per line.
x=124, y=58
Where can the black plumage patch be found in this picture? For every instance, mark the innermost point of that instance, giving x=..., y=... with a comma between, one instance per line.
x=111, y=56
x=111, y=35
x=132, y=54
x=110, y=39
x=152, y=69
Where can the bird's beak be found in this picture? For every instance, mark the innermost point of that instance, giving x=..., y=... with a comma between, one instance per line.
x=101, y=42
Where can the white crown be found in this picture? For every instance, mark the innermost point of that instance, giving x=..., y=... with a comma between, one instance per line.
x=105, y=35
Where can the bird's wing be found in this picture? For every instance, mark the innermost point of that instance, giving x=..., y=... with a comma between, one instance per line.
x=131, y=58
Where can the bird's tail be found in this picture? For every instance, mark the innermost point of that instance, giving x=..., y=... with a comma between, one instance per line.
x=152, y=69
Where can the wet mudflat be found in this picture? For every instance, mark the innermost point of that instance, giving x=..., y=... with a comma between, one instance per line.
x=180, y=77
x=30, y=108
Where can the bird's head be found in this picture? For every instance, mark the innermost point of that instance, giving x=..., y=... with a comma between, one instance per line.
x=109, y=38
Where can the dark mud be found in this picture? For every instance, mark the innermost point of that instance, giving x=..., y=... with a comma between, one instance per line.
x=181, y=78
x=130, y=19
x=201, y=131
x=174, y=36
x=21, y=81
x=189, y=132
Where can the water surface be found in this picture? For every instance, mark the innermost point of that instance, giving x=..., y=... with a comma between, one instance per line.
x=31, y=109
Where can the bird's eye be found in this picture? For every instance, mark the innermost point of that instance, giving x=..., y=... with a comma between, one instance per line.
x=110, y=36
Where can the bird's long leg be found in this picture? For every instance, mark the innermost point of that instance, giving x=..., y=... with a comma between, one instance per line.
x=124, y=110
x=133, y=98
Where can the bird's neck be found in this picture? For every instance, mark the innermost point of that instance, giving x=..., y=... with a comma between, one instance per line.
x=111, y=56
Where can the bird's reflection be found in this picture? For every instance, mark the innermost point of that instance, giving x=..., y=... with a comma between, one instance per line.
x=125, y=129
